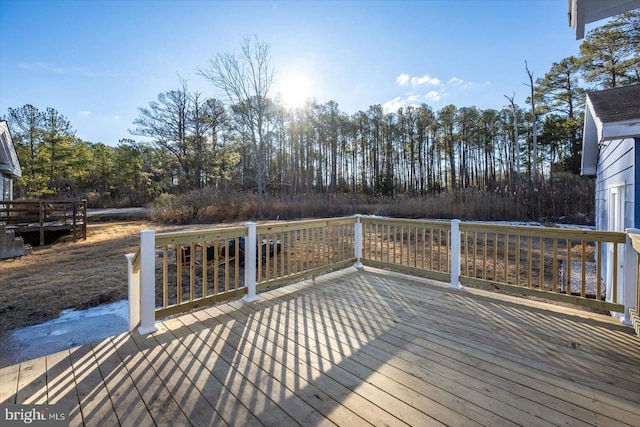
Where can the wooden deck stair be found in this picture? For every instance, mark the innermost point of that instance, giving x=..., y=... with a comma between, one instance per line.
x=10, y=245
x=351, y=348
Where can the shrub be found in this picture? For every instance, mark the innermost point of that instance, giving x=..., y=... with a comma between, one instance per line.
x=564, y=196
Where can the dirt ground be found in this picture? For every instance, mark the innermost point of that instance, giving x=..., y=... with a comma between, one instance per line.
x=37, y=287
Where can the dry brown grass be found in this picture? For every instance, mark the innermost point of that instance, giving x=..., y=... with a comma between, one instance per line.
x=36, y=287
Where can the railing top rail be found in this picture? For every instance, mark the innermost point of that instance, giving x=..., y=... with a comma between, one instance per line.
x=189, y=236
x=550, y=232
x=432, y=223
x=635, y=241
x=36, y=202
x=284, y=226
x=135, y=262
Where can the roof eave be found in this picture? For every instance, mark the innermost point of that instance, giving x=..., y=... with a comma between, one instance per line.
x=582, y=12
x=620, y=130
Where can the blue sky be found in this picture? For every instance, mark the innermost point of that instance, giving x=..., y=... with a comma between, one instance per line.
x=97, y=61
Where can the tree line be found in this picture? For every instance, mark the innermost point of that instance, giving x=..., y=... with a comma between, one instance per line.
x=248, y=140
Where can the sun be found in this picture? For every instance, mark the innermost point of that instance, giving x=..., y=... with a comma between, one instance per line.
x=295, y=90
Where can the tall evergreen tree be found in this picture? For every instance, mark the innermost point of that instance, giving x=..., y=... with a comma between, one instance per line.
x=26, y=125
x=610, y=54
x=560, y=94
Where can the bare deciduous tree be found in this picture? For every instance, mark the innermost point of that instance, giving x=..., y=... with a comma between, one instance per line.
x=534, y=167
x=245, y=78
x=516, y=145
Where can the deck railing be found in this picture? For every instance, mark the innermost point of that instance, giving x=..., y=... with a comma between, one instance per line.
x=289, y=250
x=634, y=259
x=178, y=271
x=41, y=215
x=554, y=263
x=413, y=246
x=565, y=264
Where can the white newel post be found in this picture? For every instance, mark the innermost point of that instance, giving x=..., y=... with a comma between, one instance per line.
x=250, y=246
x=134, y=293
x=455, y=254
x=627, y=293
x=148, y=282
x=357, y=236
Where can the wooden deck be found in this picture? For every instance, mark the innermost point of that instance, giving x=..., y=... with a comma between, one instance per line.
x=42, y=221
x=351, y=348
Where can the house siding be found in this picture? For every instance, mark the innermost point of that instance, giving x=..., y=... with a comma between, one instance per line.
x=616, y=168
x=636, y=188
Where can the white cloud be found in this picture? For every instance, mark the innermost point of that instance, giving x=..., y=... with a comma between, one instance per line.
x=56, y=69
x=414, y=97
x=426, y=79
x=398, y=102
x=463, y=84
x=433, y=96
x=403, y=79
x=84, y=113
x=35, y=66
x=393, y=105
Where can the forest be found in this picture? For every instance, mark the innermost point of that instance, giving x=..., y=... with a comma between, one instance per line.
x=248, y=155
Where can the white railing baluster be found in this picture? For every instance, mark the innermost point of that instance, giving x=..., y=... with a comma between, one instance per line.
x=250, y=246
x=148, y=282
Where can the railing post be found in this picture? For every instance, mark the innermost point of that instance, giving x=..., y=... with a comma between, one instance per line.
x=250, y=246
x=357, y=239
x=455, y=254
x=84, y=219
x=134, y=293
x=75, y=221
x=628, y=294
x=41, y=216
x=148, y=282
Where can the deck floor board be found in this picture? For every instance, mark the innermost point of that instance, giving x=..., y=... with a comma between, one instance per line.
x=519, y=345
x=464, y=375
x=398, y=383
x=61, y=385
x=157, y=398
x=351, y=348
x=483, y=396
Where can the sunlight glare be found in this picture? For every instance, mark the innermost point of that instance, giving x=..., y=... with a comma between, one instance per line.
x=295, y=90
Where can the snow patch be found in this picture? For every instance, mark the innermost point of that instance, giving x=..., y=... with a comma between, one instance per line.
x=72, y=328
